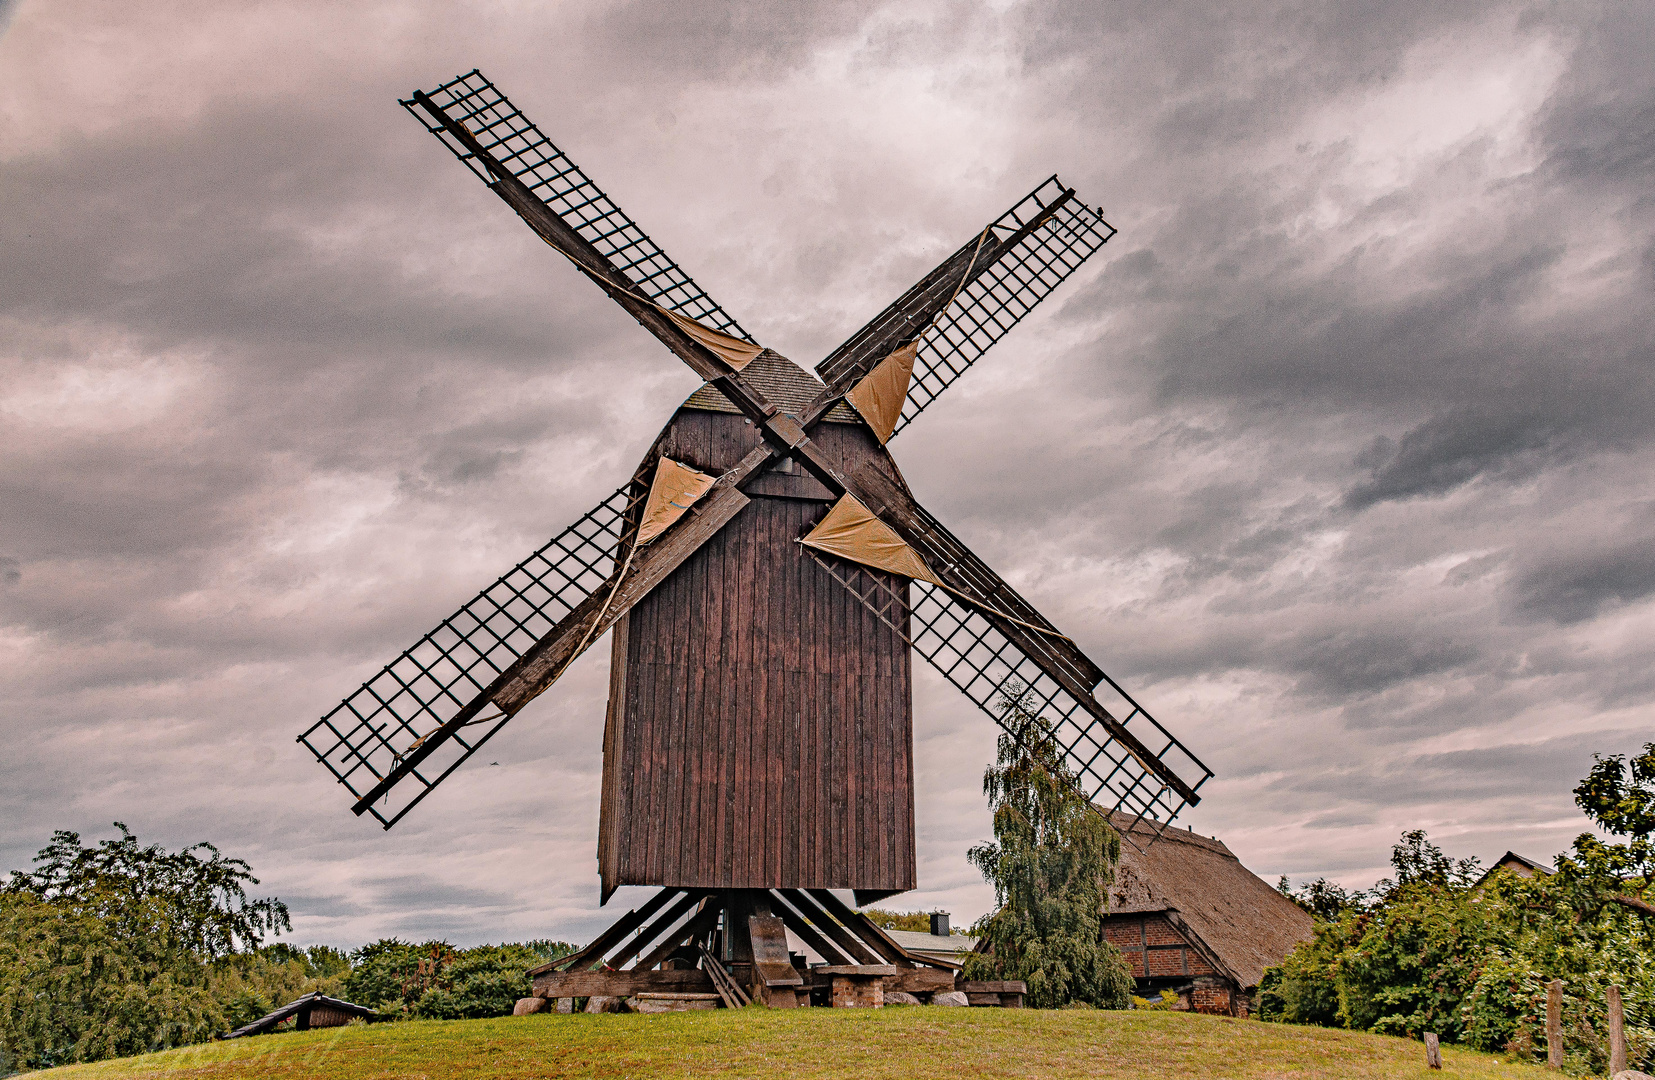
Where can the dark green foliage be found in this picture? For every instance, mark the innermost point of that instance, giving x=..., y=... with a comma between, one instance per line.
x=436, y=981
x=1431, y=951
x=77, y=984
x=1323, y=898
x=110, y=949
x=1299, y=991
x=1051, y=864
x=1621, y=799
x=1417, y=861
x=207, y=909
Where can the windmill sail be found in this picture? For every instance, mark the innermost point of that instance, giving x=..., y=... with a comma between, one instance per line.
x=513, y=140
x=997, y=675
x=997, y=292
x=368, y=734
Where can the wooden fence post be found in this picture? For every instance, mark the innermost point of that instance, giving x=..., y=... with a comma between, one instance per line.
x=1617, y=1032
x=1554, y=1024
x=1433, y=1052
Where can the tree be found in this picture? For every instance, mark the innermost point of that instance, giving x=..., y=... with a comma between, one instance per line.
x=111, y=949
x=1052, y=859
x=1326, y=900
x=435, y=981
x=1417, y=861
x=1621, y=799
x=1440, y=948
x=209, y=913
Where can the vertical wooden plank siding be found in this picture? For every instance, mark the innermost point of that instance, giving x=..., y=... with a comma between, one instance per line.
x=760, y=728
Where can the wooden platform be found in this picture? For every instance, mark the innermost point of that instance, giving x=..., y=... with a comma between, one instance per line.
x=730, y=947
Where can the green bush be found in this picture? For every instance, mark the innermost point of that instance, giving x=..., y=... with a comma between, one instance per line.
x=1433, y=950
x=435, y=981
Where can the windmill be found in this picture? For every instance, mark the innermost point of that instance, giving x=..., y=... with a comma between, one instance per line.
x=769, y=578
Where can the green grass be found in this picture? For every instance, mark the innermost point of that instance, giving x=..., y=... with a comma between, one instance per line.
x=899, y=1043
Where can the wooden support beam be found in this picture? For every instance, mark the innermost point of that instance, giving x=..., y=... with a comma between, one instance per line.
x=573, y=984
x=871, y=931
x=617, y=932
x=728, y=989
x=661, y=925
x=813, y=940
x=862, y=927
x=860, y=971
x=704, y=921
x=921, y=980
x=995, y=986
x=808, y=907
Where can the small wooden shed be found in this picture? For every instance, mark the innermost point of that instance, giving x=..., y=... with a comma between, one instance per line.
x=311, y=1011
x=1190, y=918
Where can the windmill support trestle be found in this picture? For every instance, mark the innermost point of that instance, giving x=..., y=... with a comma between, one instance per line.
x=729, y=948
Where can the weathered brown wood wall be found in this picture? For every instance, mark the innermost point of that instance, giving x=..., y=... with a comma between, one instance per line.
x=760, y=720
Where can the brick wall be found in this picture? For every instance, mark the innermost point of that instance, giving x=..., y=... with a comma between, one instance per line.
x=1212, y=996
x=1153, y=947
x=851, y=993
x=1159, y=956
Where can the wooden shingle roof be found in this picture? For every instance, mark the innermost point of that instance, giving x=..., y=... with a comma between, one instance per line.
x=785, y=384
x=1242, y=922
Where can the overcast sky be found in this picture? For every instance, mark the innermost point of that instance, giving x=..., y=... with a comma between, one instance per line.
x=1338, y=455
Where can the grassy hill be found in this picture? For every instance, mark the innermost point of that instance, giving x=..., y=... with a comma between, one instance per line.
x=899, y=1043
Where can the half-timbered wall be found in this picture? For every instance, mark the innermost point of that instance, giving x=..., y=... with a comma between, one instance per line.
x=1153, y=948
x=760, y=722
x=1160, y=957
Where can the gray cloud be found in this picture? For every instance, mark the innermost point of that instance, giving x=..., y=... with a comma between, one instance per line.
x=1448, y=451
x=1336, y=456
x=1572, y=587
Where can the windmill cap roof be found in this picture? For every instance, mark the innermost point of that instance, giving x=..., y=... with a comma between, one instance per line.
x=785, y=384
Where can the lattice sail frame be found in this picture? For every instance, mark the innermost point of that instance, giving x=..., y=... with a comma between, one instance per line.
x=985, y=310
x=529, y=155
x=365, y=735
x=961, y=644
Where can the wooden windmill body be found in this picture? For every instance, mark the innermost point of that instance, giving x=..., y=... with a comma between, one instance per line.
x=770, y=580
x=760, y=721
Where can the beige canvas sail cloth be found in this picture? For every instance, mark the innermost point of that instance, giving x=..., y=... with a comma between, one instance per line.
x=732, y=350
x=674, y=490
x=850, y=531
x=880, y=394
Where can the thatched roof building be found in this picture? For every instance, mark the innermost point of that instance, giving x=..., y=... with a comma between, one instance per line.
x=1191, y=919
